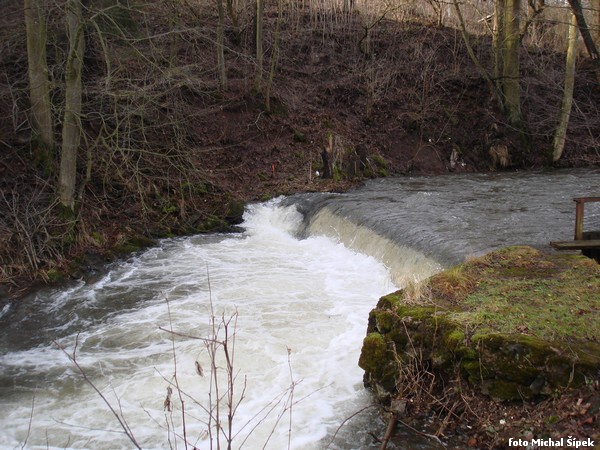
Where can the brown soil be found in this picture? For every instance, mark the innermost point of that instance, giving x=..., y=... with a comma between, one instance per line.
x=171, y=153
x=405, y=106
x=462, y=418
x=436, y=396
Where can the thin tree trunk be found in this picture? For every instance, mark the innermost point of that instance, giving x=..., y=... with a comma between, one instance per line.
x=259, y=45
x=584, y=30
x=465, y=36
x=511, y=67
x=596, y=8
x=221, y=46
x=586, y=35
x=567, y=102
x=274, y=56
x=497, y=37
x=234, y=17
x=71, y=133
x=39, y=85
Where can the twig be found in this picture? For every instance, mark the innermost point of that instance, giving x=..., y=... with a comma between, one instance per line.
x=360, y=411
x=121, y=420
x=289, y=351
x=30, y=421
x=446, y=420
x=175, y=376
x=389, y=430
x=427, y=435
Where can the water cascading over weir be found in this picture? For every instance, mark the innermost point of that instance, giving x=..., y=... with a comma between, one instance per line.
x=301, y=298
x=405, y=264
x=419, y=226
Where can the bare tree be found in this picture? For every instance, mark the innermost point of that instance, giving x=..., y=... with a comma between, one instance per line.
x=494, y=90
x=586, y=34
x=39, y=84
x=567, y=102
x=71, y=132
x=596, y=9
x=536, y=9
x=438, y=9
x=221, y=45
x=260, y=6
x=274, y=56
x=497, y=38
x=511, y=66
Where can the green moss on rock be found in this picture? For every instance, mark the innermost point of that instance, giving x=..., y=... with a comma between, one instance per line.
x=133, y=244
x=373, y=357
x=513, y=328
x=235, y=212
x=390, y=300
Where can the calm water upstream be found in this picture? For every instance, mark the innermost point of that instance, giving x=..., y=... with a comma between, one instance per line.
x=299, y=283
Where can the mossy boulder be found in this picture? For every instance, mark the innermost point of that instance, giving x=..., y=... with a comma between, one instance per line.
x=133, y=244
x=515, y=323
x=234, y=214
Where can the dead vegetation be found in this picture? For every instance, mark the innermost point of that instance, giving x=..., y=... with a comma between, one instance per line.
x=168, y=148
x=520, y=293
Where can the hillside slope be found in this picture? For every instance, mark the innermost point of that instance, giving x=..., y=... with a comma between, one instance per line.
x=167, y=151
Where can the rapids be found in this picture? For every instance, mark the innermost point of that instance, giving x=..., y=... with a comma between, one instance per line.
x=295, y=288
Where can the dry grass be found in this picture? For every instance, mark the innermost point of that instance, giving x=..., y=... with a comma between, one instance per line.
x=522, y=290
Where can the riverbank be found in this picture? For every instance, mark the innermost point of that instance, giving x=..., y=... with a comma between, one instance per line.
x=503, y=346
x=167, y=150
x=174, y=153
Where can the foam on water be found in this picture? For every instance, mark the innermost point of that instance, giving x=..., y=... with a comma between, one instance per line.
x=301, y=310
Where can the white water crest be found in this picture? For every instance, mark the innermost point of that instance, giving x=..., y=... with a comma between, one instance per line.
x=405, y=264
x=298, y=310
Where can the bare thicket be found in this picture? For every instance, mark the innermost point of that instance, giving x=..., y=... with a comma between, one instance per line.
x=31, y=235
x=149, y=86
x=225, y=393
x=217, y=370
x=116, y=411
x=419, y=388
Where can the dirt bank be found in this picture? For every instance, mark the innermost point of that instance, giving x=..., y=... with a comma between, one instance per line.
x=167, y=151
x=503, y=346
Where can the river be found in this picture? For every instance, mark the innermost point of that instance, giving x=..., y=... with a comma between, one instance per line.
x=294, y=289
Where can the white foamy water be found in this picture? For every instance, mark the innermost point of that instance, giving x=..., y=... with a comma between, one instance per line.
x=298, y=311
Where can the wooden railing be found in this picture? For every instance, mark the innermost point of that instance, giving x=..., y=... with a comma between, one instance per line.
x=590, y=246
x=579, y=211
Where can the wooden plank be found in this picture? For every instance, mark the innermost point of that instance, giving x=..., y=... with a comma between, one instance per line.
x=579, y=220
x=586, y=199
x=576, y=245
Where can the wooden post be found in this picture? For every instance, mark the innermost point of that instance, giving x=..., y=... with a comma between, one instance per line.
x=580, y=202
x=579, y=218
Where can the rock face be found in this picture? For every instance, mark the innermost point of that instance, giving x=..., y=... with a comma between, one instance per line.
x=515, y=323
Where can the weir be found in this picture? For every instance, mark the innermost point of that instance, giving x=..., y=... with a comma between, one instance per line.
x=302, y=279
x=405, y=264
x=440, y=221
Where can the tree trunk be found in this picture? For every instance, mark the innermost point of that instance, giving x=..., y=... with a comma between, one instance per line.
x=596, y=8
x=71, y=132
x=491, y=85
x=274, y=56
x=39, y=85
x=221, y=46
x=259, y=45
x=586, y=35
x=497, y=36
x=567, y=102
x=235, y=21
x=511, y=70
